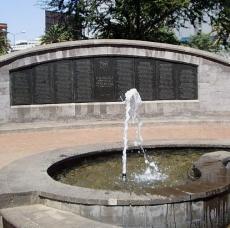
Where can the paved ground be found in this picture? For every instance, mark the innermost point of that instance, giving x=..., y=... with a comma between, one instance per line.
x=40, y=216
x=18, y=144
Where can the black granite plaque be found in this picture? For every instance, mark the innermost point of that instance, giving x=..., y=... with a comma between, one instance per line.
x=21, y=87
x=63, y=81
x=104, y=79
x=83, y=80
x=187, y=78
x=43, y=84
x=145, y=78
x=165, y=85
x=124, y=68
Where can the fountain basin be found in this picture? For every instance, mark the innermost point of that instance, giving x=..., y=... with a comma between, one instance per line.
x=166, y=167
x=200, y=203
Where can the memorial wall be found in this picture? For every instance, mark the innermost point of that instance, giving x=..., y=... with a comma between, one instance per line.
x=88, y=79
x=102, y=79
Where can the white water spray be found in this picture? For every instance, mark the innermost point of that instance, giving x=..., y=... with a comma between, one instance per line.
x=133, y=102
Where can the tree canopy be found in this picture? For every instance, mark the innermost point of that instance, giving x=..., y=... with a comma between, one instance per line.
x=56, y=33
x=4, y=44
x=153, y=20
x=204, y=41
x=216, y=11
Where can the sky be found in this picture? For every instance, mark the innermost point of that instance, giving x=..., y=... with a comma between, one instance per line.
x=22, y=15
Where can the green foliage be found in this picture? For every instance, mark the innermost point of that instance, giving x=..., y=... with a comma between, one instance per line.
x=4, y=45
x=135, y=19
x=74, y=15
x=153, y=20
x=162, y=35
x=56, y=34
x=204, y=41
x=221, y=25
x=216, y=11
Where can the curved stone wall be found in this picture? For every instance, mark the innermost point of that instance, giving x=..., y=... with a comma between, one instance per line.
x=213, y=81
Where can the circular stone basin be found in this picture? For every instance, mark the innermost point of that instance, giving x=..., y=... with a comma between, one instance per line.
x=204, y=202
x=104, y=171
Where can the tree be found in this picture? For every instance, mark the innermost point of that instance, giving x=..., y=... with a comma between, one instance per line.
x=74, y=15
x=135, y=19
x=4, y=44
x=57, y=33
x=204, y=41
x=153, y=20
x=216, y=11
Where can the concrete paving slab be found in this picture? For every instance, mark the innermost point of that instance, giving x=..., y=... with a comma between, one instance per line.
x=40, y=216
x=16, y=145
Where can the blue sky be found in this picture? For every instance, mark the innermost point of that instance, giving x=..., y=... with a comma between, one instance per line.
x=23, y=15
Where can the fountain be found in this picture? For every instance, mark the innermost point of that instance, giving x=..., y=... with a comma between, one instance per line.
x=142, y=177
x=166, y=184
x=133, y=103
x=172, y=187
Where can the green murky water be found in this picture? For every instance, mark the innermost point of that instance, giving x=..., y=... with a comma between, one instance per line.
x=104, y=172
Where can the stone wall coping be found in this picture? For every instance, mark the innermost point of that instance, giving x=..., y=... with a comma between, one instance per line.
x=5, y=59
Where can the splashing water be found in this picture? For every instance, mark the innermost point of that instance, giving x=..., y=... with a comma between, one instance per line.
x=133, y=102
